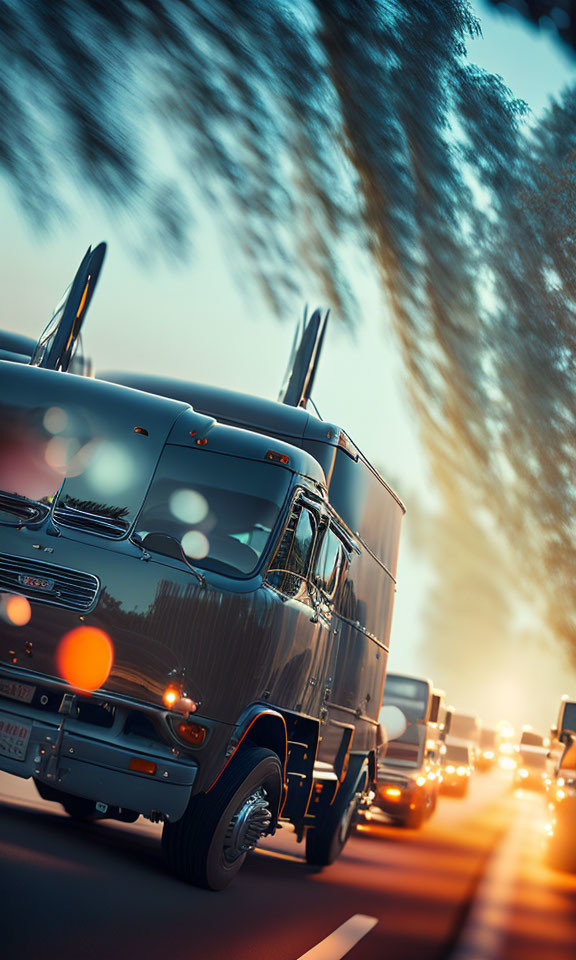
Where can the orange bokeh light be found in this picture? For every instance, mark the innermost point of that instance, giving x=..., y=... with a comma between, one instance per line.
x=85, y=657
x=18, y=611
x=171, y=695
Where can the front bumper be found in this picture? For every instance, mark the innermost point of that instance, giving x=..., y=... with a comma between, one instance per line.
x=452, y=783
x=94, y=763
x=397, y=800
x=531, y=782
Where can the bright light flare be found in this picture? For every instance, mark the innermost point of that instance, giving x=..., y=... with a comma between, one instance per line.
x=189, y=506
x=111, y=469
x=16, y=610
x=84, y=657
x=393, y=792
x=171, y=695
x=195, y=545
x=55, y=420
x=507, y=763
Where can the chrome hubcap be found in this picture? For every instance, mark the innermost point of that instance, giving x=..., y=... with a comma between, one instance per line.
x=247, y=826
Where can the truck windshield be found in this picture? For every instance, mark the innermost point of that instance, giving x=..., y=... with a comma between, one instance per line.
x=464, y=727
x=569, y=716
x=536, y=759
x=221, y=508
x=399, y=754
x=488, y=739
x=531, y=739
x=456, y=754
x=409, y=694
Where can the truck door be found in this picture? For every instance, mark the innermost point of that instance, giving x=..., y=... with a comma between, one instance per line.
x=290, y=574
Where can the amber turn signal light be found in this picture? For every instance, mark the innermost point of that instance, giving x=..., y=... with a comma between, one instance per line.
x=142, y=766
x=191, y=733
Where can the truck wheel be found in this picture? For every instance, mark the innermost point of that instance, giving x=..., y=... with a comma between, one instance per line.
x=208, y=844
x=325, y=842
x=76, y=807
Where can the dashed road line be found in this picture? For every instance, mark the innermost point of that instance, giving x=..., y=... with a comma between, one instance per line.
x=341, y=940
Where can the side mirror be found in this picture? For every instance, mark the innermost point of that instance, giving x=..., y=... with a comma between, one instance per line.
x=163, y=543
x=393, y=721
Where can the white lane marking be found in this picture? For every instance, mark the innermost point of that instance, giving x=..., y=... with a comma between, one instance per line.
x=484, y=932
x=341, y=941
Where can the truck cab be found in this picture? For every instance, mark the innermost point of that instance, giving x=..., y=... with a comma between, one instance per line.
x=196, y=598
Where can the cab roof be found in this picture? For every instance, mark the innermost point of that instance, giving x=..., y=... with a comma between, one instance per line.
x=158, y=418
x=232, y=406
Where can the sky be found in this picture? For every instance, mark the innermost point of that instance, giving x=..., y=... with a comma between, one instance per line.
x=196, y=322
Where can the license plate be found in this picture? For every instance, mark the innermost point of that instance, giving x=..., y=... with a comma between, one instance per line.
x=16, y=691
x=14, y=737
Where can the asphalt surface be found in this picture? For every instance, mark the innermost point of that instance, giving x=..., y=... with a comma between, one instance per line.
x=471, y=885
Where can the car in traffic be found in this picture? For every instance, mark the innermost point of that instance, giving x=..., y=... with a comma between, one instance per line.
x=196, y=590
x=408, y=780
x=487, y=755
x=457, y=767
x=465, y=731
x=561, y=825
x=531, y=771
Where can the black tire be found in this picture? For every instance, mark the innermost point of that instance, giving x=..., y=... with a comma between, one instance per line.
x=325, y=842
x=78, y=808
x=199, y=848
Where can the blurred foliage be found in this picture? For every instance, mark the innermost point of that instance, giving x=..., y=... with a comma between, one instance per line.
x=555, y=16
x=316, y=127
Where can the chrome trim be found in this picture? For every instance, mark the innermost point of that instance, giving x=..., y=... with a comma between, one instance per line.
x=73, y=589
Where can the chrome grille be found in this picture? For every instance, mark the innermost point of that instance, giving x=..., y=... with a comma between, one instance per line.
x=71, y=588
x=78, y=519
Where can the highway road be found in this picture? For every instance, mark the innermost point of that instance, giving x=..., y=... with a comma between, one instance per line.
x=471, y=885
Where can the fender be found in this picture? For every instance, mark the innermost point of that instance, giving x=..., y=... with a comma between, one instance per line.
x=265, y=727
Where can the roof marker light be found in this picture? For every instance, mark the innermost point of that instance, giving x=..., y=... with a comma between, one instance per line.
x=202, y=441
x=278, y=457
x=141, y=430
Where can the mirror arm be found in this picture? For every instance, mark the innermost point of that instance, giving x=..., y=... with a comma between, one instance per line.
x=136, y=539
x=199, y=576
